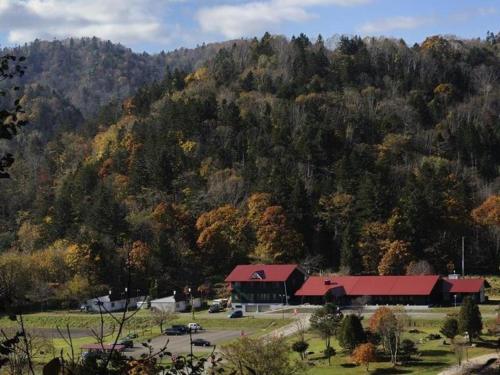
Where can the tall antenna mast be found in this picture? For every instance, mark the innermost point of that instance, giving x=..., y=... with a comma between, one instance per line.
x=463, y=256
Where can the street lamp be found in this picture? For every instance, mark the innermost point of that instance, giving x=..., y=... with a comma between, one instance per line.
x=192, y=305
x=455, y=296
x=175, y=302
x=283, y=306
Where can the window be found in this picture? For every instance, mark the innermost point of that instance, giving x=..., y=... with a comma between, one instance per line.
x=258, y=275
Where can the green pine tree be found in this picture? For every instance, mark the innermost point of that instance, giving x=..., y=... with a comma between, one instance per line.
x=469, y=319
x=351, y=333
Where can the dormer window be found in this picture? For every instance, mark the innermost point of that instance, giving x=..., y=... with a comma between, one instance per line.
x=258, y=275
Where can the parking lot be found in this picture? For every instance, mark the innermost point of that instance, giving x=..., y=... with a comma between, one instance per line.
x=180, y=344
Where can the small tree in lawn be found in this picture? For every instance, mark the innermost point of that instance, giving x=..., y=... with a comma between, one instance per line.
x=450, y=328
x=390, y=328
x=351, y=333
x=329, y=353
x=162, y=317
x=408, y=348
x=469, y=319
x=326, y=321
x=300, y=347
x=364, y=354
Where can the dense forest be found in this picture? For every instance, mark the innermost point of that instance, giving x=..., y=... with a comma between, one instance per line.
x=366, y=157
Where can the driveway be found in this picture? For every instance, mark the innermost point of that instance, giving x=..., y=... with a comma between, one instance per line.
x=473, y=363
x=180, y=344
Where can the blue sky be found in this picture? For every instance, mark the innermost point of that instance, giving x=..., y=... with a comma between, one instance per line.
x=155, y=25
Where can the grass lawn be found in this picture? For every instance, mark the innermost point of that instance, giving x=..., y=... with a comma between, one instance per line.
x=433, y=358
x=141, y=324
x=485, y=309
x=144, y=321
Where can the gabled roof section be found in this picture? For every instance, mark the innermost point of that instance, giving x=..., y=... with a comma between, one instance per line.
x=462, y=285
x=369, y=285
x=261, y=272
x=394, y=285
x=319, y=286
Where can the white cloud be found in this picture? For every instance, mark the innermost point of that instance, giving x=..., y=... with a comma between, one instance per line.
x=394, y=23
x=125, y=21
x=247, y=19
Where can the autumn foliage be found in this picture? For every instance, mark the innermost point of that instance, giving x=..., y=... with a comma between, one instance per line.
x=488, y=213
x=364, y=354
x=396, y=257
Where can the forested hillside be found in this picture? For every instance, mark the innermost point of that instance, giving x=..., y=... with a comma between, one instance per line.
x=91, y=73
x=367, y=159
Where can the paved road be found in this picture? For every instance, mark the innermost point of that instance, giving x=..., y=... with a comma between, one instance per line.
x=473, y=363
x=180, y=344
x=301, y=322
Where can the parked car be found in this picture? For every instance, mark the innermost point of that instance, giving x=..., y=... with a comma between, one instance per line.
x=127, y=342
x=194, y=327
x=235, y=314
x=131, y=336
x=174, y=332
x=215, y=308
x=222, y=302
x=201, y=342
x=181, y=327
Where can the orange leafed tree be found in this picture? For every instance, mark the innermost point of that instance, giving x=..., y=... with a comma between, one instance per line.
x=396, y=258
x=139, y=256
x=364, y=354
x=222, y=238
x=373, y=236
x=256, y=205
x=276, y=240
x=379, y=314
x=488, y=213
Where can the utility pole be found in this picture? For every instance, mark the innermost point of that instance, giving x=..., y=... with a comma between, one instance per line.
x=463, y=256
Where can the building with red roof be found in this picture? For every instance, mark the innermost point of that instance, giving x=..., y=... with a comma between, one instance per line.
x=455, y=289
x=261, y=287
x=413, y=290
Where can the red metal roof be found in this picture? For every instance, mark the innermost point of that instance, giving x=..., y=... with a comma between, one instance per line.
x=261, y=272
x=318, y=286
x=462, y=285
x=369, y=285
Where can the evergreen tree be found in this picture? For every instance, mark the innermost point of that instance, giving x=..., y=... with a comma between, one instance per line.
x=469, y=319
x=449, y=328
x=351, y=333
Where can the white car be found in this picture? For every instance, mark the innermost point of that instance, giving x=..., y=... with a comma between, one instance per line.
x=194, y=327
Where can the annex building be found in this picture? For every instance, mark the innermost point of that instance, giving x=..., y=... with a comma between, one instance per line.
x=261, y=287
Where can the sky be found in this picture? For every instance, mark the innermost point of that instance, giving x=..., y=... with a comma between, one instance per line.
x=156, y=25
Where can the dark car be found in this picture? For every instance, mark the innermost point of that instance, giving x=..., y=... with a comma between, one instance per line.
x=181, y=327
x=201, y=342
x=174, y=332
x=215, y=308
x=127, y=342
x=235, y=314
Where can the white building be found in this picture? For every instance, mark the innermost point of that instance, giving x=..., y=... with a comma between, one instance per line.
x=170, y=304
x=105, y=304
